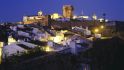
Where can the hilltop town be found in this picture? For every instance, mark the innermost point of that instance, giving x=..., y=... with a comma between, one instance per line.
x=45, y=41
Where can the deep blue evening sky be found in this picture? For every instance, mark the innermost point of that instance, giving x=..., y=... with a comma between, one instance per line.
x=13, y=10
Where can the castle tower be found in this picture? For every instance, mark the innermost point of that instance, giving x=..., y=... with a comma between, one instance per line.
x=68, y=11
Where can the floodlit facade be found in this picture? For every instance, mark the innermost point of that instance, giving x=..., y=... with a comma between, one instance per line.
x=36, y=18
x=55, y=16
x=68, y=11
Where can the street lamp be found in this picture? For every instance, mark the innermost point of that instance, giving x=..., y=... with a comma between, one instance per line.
x=101, y=26
x=96, y=30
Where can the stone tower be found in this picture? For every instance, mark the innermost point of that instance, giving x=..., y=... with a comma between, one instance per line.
x=68, y=11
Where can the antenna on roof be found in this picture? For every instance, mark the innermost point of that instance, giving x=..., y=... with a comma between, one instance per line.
x=82, y=12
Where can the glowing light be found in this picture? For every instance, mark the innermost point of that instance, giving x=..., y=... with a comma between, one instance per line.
x=1, y=44
x=57, y=39
x=48, y=49
x=106, y=20
x=40, y=13
x=31, y=18
x=25, y=18
x=64, y=31
x=55, y=16
x=85, y=17
x=101, y=26
x=0, y=55
x=101, y=19
x=94, y=17
x=74, y=17
x=11, y=40
x=96, y=30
